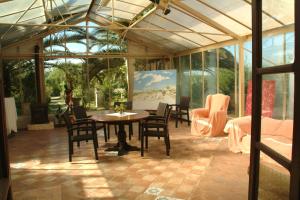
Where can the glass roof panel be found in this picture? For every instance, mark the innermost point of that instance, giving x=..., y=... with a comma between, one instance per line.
x=218, y=17
x=162, y=22
x=282, y=10
x=57, y=7
x=189, y=21
x=123, y=8
x=13, y=11
x=232, y=8
x=170, y=36
x=16, y=6
x=102, y=20
x=117, y=13
x=159, y=41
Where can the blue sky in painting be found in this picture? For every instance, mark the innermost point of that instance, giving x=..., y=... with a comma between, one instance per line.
x=158, y=79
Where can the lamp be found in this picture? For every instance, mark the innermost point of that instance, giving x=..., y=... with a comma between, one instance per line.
x=163, y=4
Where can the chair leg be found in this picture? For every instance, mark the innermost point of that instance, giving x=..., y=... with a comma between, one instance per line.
x=140, y=127
x=105, y=134
x=78, y=142
x=146, y=137
x=188, y=117
x=166, y=143
x=96, y=138
x=95, y=141
x=168, y=139
x=130, y=131
x=180, y=118
x=142, y=144
x=108, y=131
x=176, y=121
x=70, y=150
x=116, y=129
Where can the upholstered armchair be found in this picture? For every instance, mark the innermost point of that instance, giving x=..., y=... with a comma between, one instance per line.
x=211, y=120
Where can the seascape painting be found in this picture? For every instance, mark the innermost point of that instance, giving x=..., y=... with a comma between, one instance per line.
x=152, y=87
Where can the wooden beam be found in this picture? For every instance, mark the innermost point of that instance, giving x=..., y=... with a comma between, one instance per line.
x=104, y=27
x=90, y=8
x=4, y=161
x=205, y=19
x=106, y=55
x=241, y=75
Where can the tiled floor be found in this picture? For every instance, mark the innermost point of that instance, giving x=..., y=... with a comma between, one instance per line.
x=198, y=168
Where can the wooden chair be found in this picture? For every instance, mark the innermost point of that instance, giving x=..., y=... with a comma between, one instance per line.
x=181, y=110
x=156, y=126
x=87, y=126
x=80, y=114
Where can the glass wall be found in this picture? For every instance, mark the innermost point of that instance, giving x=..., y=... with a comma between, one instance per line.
x=196, y=80
x=184, y=75
x=228, y=76
x=277, y=50
x=92, y=77
x=209, y=72
x=178, y=85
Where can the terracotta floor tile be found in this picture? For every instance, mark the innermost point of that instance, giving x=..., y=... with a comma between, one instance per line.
x=195, y=168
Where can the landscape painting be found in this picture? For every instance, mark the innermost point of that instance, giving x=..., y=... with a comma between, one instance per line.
x=152, y=87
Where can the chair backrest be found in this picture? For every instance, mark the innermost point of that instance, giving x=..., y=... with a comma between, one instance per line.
x=184, y=102
x=79, y=112
x=128, y=104
x=217, y=102
x=161, y=109
x=167, y=113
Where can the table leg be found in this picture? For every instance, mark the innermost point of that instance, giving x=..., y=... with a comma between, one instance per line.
x=122, y=147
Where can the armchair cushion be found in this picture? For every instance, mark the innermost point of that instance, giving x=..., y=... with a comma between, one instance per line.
x=199, y=113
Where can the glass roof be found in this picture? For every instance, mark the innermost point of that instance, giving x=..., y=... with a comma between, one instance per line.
x=190, y=24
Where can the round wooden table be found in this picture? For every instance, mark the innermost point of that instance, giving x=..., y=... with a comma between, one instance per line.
x=110, y=116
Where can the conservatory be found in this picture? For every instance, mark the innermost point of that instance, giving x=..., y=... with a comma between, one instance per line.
x=215, y=79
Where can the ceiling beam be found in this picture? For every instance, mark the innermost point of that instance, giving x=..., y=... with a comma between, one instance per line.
x=106, y=55
x=108, y=27
x=190, y=11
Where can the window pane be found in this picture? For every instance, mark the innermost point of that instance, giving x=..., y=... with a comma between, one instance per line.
x=274, y=180
x=196, y=79
x=176, y=66
x=273, y=51
x=277, y=109
x=278, y=15
x=210, y=75
x=227, y=82
x=185, y=75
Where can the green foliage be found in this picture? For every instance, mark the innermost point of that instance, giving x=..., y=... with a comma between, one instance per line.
x=107, y=81
x=19, y=81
